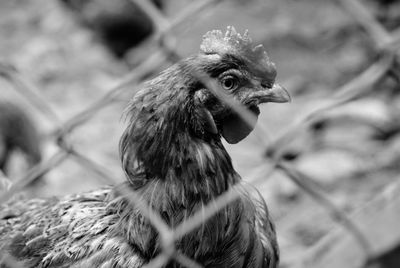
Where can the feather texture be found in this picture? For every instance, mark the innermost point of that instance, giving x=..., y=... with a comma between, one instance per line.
x=174, y=159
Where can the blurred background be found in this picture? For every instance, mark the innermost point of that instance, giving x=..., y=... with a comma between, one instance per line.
x=59, y=58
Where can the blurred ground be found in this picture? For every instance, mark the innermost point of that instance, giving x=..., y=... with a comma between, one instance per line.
x=316, y=49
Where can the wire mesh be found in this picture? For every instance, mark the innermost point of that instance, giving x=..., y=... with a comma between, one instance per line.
x=386, y=43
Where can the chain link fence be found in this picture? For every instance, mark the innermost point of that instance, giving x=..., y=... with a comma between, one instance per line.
x=385, y=43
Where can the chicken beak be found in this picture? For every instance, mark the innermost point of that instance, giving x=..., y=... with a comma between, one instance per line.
x=277, y=94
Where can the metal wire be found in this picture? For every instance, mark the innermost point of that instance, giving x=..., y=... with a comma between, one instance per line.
x=385, y=42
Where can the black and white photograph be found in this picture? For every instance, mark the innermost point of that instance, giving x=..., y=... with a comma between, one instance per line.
x=199, y=134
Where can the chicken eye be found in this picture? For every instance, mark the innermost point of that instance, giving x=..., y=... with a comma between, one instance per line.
x=229, y=83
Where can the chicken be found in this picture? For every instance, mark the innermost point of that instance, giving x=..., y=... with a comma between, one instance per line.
x=174, y=159
x=17, y=132
x=120, y=24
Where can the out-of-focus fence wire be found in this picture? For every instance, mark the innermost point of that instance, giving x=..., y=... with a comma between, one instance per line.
x=386, y=43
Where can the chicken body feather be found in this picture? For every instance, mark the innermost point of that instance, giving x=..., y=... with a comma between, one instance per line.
x=99, y=229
